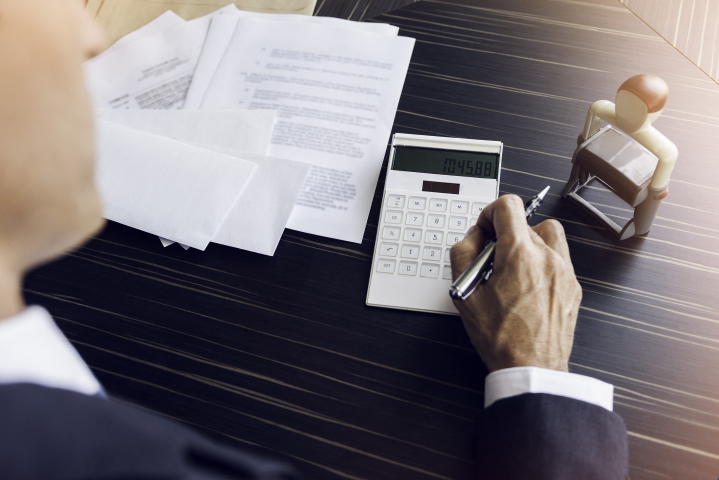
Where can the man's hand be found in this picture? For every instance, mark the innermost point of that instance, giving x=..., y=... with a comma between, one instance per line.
x=526, y=313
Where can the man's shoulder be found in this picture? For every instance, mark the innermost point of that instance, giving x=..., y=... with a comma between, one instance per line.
x=52, y=433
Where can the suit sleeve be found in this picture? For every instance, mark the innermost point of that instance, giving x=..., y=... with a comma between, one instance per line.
x=51, y=433
x=543, y=437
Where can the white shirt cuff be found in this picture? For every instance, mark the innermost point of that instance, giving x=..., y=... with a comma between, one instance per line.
x=510, y=382
x=34, y=350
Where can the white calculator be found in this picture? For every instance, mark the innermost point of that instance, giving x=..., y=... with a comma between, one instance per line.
x=434, y=191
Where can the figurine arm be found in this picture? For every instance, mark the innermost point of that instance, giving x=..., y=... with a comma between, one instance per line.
x=664, y=149
x=598, y=111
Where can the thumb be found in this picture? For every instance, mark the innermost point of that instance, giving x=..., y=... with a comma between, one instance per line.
x=463, y=253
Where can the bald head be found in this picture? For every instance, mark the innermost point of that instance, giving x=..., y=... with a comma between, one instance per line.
x=48, y=199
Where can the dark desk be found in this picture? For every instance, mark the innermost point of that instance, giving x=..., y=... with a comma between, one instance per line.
x=282, y=355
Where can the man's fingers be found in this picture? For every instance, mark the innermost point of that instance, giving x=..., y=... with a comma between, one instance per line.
x=464, y=252
x=552, y=233
x=505, y=218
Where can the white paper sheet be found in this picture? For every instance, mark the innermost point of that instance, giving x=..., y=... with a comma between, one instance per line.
x=244, y=130
x=167, y=20
x=153, y=72
x=336, y=91
x=222, y=28
x=257, y=220
x=165, y=187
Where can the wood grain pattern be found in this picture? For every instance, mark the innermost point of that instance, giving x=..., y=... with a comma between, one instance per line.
x=692, y=26
x=282, y=356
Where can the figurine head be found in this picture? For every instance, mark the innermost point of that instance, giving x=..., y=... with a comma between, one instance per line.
x=640, y=101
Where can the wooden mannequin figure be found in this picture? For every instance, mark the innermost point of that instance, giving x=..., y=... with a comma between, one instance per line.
x=641, y=179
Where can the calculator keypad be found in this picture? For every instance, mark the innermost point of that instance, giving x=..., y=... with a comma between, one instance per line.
x=414, y=218
x=432, y=253
x=391, y=233
x=436, y=221
x=388, y=249
x=433, y=237
x=413, y=234
x=407, y=268
x=410, y=251
x=392, y=216
x=385, y=266
x=420, y=231
x=395, y=201
x=417, y=203
x=458, y=223
x=459, y=206
x=438, y=205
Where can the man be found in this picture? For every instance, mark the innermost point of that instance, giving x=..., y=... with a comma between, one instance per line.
x=540, y=421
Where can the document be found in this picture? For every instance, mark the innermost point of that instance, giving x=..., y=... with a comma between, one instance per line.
x=242, y=130
x=165, y=187
x=153, y=72
x=120, y=17
x=336, y=91
x=222, y=29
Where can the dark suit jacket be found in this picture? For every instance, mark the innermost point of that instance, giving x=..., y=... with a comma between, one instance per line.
x=47, y=434
x=542, y=437
x=50, y=434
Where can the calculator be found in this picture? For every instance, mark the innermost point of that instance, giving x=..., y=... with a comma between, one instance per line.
x=434, y=191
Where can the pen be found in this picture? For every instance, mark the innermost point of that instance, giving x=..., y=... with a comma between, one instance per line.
x=481, y=269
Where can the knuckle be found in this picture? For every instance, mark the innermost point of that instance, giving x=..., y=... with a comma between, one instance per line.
x=510, y=202
x=554, y=226
x=522, y=252
x=555, y=260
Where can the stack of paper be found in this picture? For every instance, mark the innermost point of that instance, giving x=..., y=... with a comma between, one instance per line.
x=307, y=102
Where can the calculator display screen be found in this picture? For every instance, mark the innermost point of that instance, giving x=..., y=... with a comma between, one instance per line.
x=439, y=161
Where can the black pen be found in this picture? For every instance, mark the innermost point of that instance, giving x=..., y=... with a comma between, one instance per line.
x=481, y=269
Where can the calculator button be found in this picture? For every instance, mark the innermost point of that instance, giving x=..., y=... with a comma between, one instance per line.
x=459, y=206
x=417, y=203
x=414, y=219
x=473, y=221
x=477, y=207
x=436, y=221
x=407, y=268
x=433, y=237
x=388, y=249
x=447, y=272
x=393, y=217
x=432, y=253
x=430, y=270
x=385, y=266
x=453, y=238
x=395, y=201
x=410, y=251
x=446, y=255
x=391, y=233
x=458, y=223
x=438, y=205
x=413, y=235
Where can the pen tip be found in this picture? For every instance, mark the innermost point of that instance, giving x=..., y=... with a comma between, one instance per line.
x=544, y=192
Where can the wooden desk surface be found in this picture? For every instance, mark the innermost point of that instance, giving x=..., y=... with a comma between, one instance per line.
x=283, y=356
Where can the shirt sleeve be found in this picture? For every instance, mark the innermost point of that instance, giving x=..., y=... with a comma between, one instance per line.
x=510, y=382
x=34, y=350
